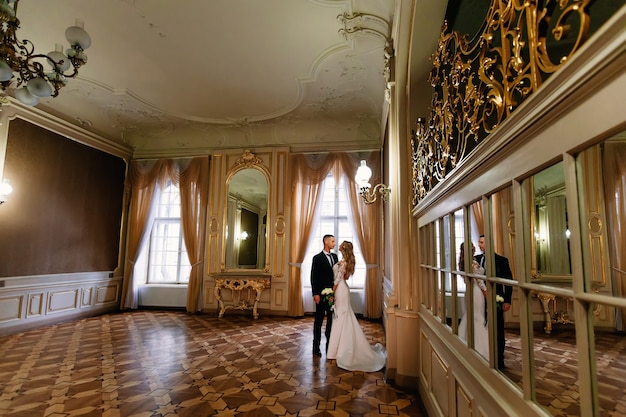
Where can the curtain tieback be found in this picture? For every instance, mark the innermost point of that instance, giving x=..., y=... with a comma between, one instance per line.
x=296, y=264
x=197, y=263
x=371, y=266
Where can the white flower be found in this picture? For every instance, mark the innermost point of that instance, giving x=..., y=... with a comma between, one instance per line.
x=327, y=291
x=499, y=299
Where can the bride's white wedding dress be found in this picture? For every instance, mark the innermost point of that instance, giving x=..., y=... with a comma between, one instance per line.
x=481, y=334
x=347, y=341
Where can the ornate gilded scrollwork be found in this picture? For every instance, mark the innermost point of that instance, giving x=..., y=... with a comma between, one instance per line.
x=248, y=159
x=478, y=83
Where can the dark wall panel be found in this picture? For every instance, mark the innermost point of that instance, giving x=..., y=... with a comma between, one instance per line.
x=65, y=211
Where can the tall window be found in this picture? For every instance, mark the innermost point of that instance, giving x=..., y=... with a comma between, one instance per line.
x=335, y=219
x=168, y=261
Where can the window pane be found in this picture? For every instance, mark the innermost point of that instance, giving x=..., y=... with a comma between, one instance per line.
x=334, y=220
x=168, y=261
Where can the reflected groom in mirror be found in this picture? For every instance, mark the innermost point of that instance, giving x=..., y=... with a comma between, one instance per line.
x=322, y=276
x=503, y=270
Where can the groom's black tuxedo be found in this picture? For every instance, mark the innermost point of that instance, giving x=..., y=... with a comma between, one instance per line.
x=322, y=272
x=322, y=277
x=503, y=270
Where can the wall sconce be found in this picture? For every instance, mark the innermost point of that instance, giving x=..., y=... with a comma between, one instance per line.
x=244, y=235
x=362, y=178
x=5, y=190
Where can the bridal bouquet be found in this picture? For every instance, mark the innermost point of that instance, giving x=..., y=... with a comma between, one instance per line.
x=329, y=296
x=499, y=300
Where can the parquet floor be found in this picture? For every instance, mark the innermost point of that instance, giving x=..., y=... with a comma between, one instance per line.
x=556, y=371
x=169, y=363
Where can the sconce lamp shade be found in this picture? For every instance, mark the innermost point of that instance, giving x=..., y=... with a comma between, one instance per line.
x=363, y=175
x=5, y=190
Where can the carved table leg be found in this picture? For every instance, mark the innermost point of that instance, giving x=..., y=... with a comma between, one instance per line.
x=545, y=300
x=258, y=292
x=220, y=303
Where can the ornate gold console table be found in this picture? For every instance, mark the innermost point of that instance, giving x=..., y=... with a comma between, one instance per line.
x=549, y=308
x=239, y=285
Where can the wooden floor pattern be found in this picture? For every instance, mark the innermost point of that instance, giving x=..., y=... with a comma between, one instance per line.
x=556, y=370
x=169, y=363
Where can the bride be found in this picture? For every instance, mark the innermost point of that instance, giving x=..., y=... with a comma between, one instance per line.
x=347, y=343
x=479, y=290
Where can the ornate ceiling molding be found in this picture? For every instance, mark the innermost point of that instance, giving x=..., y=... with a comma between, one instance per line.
x=359, y=24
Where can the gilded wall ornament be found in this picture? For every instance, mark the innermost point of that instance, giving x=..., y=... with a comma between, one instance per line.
x=477, y=83
x=248, y=159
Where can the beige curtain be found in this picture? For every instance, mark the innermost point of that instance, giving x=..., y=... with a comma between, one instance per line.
x=614, y=172
x=479, y=217
x=143, y=177
x=194, y=192
x=307, y=174
x=503, y=235
x=367, y=227
x=558, y=256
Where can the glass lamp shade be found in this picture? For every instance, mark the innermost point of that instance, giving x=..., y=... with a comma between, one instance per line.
x=76, y=35
x=25, y=97
x=39, y=87
x=363, y=175
x=6, y=9
x=57, y=57
x=5, y=72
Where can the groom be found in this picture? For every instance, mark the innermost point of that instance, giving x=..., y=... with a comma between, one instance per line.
x=322, y=277
x=503, y=270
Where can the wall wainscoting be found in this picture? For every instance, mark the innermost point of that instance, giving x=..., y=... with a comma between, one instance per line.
x=33, y=301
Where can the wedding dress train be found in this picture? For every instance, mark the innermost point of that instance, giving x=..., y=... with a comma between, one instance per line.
x=348, y=344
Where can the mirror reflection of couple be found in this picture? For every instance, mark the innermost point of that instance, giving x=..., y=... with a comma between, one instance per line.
x=345, y=340
x=479, y=301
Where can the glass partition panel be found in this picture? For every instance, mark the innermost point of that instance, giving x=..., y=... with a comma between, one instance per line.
x=454, y=300
x=555, y=355
x=610, y=357
x=446, y=260
x=507, y=330
x=437, y=246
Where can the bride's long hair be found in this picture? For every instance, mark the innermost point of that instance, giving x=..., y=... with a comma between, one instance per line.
x=347, y=250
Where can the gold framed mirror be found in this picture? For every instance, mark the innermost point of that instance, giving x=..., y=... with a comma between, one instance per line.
x=245, y=220
x=548, y=228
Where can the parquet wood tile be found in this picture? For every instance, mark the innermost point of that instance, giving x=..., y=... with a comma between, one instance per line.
x=169, y=363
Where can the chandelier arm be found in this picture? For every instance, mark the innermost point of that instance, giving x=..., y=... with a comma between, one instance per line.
x=19, y=64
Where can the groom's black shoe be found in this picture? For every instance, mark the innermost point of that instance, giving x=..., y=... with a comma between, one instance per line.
x=317, y=352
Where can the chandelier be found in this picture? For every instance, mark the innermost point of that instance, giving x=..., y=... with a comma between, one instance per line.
x=30, y=76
